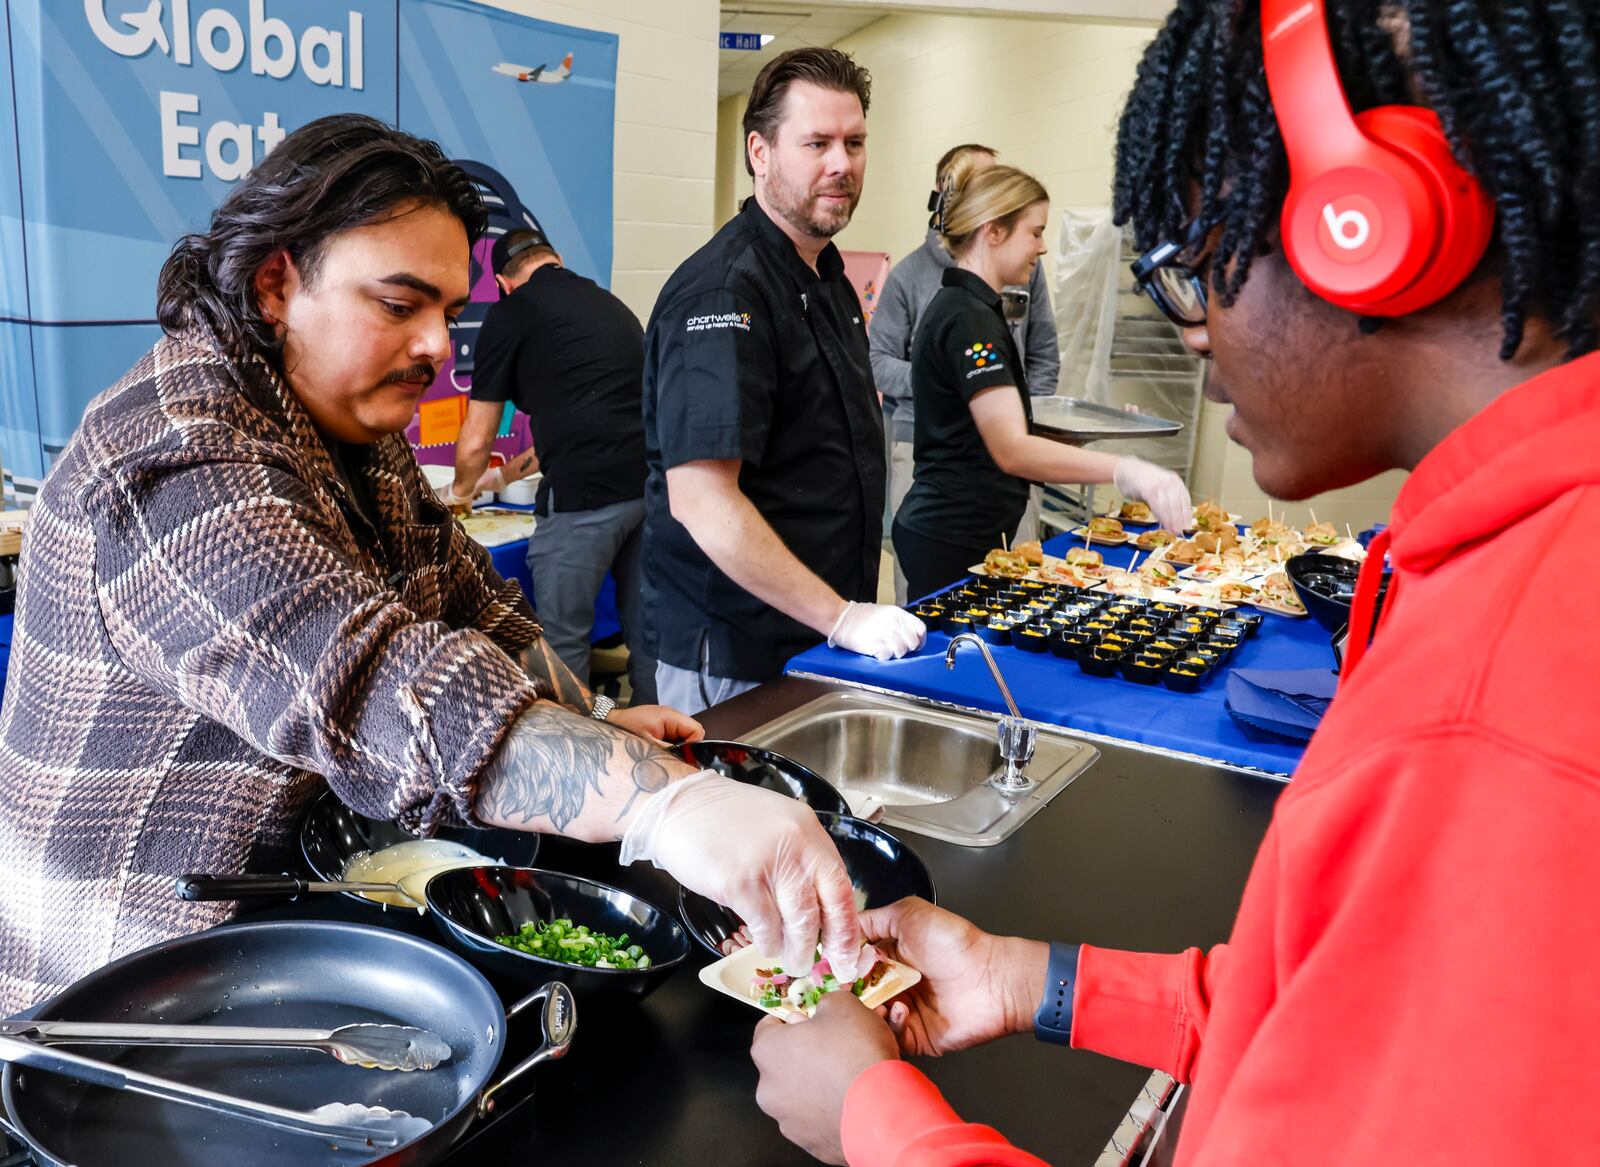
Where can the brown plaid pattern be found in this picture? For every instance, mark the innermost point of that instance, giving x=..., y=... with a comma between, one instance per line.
x=207, y=629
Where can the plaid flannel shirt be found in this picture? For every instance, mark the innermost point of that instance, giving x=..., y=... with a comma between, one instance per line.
x=207, y=629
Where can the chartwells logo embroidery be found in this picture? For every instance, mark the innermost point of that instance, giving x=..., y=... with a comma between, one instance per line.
x=739, y=320
x=983, y=358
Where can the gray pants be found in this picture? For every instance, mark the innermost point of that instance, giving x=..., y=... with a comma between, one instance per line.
x=569, y=554
x=690, y=692
x=902, y=463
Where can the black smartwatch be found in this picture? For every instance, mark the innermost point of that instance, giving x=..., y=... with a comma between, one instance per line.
x=1053, y=1021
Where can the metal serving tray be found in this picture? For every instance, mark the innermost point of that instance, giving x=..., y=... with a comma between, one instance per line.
x=1071, y=419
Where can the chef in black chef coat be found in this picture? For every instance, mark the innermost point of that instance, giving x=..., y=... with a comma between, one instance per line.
x=763, y=434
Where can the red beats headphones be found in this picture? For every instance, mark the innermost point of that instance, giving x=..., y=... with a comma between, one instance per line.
x=1380, y=218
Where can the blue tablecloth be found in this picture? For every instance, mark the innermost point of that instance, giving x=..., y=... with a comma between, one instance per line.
x=1057, y=692
x=511, y=561
x=5, y=651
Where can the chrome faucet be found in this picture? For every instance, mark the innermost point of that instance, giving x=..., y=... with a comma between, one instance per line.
x=1017, y=733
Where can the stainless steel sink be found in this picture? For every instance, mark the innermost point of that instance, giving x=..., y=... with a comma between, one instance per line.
x=930, y=766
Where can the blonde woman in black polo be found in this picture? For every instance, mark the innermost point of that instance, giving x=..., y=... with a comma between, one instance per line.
x=975, y=450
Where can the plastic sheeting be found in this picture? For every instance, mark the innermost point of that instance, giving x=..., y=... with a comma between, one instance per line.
x=1087, y=260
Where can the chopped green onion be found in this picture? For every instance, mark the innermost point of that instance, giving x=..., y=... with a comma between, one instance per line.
x=560, y=940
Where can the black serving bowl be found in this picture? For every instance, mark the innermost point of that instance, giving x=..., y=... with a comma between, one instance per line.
x=472, y=905
x=996, y=632
x=1067, y=644
x=955, y=624
x=878, y=864
x=761, y=767
x=1100, y=661
x=331, y=834
x=1247, y=622
x=1326, y=585
x=1143, y=670
x=1227, y=636
x=1182, y=678
x=1030, y=639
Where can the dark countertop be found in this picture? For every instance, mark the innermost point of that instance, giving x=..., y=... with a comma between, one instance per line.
x=1143, y=851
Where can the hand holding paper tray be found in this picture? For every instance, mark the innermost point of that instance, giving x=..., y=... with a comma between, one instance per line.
x=736, y=976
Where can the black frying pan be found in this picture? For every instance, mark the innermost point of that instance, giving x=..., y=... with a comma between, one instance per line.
x=284, y=973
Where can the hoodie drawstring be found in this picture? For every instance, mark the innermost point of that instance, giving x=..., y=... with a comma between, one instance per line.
x=1364, y=608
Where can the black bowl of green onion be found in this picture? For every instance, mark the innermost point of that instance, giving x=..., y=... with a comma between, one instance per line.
x=530, y=927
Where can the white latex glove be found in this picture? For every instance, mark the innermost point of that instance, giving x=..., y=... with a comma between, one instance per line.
x=1161, y=489
x=447, y=495
x=879, y=630
x=761, y=854
x=492, y=481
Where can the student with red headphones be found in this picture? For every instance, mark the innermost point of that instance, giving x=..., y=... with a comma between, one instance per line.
x=1411, y=977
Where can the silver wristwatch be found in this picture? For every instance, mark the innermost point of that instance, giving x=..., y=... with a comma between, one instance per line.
x=603, y=706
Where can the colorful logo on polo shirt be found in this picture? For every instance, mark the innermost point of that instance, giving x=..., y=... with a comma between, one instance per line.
x=982, y=355
x=739, y=320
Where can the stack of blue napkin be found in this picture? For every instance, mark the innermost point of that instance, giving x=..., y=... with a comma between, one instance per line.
x=1286, y=703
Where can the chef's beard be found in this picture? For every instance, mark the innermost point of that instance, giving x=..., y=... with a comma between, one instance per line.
x=799, y=208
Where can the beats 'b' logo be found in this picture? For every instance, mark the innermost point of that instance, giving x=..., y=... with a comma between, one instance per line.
x=1351, y=229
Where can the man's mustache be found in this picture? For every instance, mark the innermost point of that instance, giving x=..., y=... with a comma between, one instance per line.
x=421, y=371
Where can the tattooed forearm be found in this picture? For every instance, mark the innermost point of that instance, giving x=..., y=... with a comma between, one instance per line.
x=553, y=767
x=542, y=664
x=521, y=466
x=649, y=770
x=548, y=765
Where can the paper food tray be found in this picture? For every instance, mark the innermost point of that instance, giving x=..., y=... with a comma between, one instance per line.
x=1082, y=533
x=1269, y=606
x=1035, y=573
x=733, y=974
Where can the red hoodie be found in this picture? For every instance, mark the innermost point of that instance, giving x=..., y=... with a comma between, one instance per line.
x=1414, y=975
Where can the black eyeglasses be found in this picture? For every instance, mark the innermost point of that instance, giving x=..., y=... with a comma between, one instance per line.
x=1177, y=289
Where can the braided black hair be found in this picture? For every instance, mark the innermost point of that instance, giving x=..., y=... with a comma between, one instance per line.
x=1515, y=82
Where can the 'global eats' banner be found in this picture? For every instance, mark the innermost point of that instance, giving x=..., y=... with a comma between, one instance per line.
x=224, y=43
x=124, y=122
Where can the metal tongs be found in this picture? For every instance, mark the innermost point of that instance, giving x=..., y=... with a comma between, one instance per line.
x=349, y=1126
x=382, y=1047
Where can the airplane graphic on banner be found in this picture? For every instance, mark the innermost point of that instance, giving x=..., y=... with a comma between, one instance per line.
x=541, y=73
